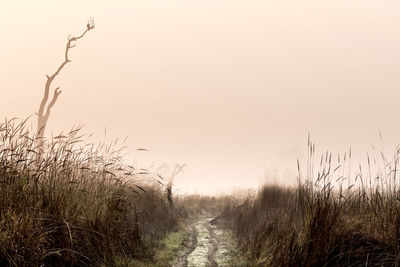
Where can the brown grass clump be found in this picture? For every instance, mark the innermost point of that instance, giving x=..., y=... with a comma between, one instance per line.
x=326, y=220
x=67, y=203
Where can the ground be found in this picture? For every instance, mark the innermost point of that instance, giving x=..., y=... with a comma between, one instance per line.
x=201, y=243
x=208, y=245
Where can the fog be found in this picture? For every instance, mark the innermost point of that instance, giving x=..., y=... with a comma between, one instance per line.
x=230, y=88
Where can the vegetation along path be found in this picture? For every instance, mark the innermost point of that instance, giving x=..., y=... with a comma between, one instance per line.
x=208, y=246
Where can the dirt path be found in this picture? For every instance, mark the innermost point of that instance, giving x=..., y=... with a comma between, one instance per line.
x=208, y=246
x=189, y=246
x=214, y=244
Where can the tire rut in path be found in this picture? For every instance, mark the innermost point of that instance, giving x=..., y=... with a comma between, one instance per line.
x=214, y=245
x=204, y=253
x=207, y=245
x=189, y=245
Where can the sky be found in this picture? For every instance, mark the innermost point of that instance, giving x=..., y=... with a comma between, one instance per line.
x=229, y=87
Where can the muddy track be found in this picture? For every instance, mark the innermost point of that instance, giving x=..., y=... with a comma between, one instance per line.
x=189, y=245
x=206, y=246
x=214, y=245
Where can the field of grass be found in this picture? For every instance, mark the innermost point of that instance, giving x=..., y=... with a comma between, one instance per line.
x=329, y=219
x=64, y=202
x=67, y=203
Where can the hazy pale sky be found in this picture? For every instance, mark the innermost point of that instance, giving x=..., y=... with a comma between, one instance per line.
x=229, y=87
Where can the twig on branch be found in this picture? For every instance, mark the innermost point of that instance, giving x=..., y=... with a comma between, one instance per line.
x=42, y=116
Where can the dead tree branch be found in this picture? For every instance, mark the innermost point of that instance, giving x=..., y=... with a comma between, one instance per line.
x=42, y=115
x=178, y=168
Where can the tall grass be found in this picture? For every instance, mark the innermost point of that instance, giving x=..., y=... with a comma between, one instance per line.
x=334, y=217
x=64, y=202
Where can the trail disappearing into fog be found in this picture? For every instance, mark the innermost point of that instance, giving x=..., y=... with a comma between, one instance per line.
x=207, y=246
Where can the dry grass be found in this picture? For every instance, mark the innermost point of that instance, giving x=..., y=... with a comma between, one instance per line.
x=329, y=219
x=64, y=202
x=67, y=203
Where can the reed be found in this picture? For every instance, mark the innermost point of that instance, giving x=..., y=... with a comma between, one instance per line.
x=335, y=216
x=64, y=202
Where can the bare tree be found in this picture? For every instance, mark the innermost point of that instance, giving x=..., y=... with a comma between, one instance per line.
x=44, y=112
x=178, y=168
